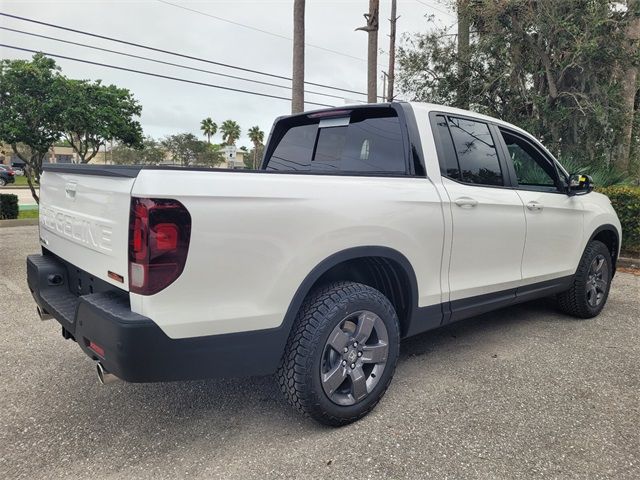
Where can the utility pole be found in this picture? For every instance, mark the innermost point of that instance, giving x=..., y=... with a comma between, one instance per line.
x=297, y=81
x=463, y=54
x=392, y=51
x=372, y=50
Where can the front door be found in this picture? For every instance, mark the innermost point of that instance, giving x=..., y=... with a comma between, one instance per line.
x=554, y=219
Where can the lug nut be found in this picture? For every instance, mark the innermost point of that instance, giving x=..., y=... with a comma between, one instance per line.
x=353, y=365
x=345, y=350
x=355, y=344
x=359, y=354
x=344, y=362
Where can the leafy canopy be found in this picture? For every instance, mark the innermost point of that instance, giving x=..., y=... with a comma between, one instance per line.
x=554, y=68
x=230, y=132
x=96, y=113
x=187, y=150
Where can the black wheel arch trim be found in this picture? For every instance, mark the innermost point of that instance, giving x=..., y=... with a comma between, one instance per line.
x=353, y=254
x=607, y=227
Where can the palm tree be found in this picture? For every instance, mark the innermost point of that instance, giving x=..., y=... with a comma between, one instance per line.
x=230, y=132
x=256, y=136
x=209, y=128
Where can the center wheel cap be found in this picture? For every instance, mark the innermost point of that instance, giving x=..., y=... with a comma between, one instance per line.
x=352, y=356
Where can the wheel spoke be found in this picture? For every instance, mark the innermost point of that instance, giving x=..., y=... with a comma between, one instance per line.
x=366, y=321
x=599, y=264
x=592, y=295
x=334, y=378
x=358, y=383
x=601, y=285
x=338, y=339
x=375, y=353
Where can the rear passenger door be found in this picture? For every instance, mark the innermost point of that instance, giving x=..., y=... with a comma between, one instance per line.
x=487, y=215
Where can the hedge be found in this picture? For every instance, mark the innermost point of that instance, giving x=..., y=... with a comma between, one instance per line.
x=626, y=201
x=8, y=206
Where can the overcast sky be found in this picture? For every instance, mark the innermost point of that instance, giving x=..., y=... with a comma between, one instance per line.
x=171, y=107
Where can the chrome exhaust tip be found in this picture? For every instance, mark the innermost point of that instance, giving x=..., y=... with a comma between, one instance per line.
x=43, y=316
x=104, y=376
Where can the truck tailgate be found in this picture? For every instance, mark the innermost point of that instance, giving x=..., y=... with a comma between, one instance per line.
x=84, y=219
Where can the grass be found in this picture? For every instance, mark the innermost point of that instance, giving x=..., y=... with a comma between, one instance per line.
x=21, y=181
x=27, y=214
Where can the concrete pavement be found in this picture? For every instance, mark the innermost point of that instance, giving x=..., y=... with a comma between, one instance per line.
x=524, y=392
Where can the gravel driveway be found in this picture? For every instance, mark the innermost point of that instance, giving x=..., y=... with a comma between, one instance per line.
x=524, y=392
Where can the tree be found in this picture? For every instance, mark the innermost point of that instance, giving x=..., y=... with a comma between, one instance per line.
x=230, y=132
x=209, y=128
x=151, y=153
x=30, y=103
x=556, y=69
x=297, y=83
x=629, y=86
x=257, y=137
x=95, y=113
x=372, y=50
x=188, y=151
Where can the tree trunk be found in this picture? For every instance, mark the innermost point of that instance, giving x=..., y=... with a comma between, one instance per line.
x=372, y=50
x=463, y=54
x=255, y=156
x=629, y=89
x=33, y=164
x=297, y=83
x=392, y=51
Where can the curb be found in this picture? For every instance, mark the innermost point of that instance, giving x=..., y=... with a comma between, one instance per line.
x=628, y=262
x=24, y=222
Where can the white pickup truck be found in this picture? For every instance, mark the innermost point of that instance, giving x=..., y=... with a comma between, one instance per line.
x=364, y=225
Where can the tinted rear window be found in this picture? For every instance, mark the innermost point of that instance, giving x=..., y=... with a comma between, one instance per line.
x=371, y=142
x=295, y=149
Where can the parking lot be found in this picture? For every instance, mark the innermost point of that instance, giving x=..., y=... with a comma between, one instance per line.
x=520, y=393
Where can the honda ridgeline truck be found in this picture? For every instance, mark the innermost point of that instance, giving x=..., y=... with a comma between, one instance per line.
x=364, y=225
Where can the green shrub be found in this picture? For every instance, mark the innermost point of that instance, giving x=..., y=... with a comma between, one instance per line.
x=8, y=206
x=602, y=175
x=626, y=201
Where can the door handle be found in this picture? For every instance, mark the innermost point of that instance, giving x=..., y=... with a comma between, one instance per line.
x=534, y=206
x=466, y=202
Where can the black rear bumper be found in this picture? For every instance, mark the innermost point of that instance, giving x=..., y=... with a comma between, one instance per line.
x=135, y=348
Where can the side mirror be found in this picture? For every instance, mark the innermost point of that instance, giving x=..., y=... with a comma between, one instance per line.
x=579, y=184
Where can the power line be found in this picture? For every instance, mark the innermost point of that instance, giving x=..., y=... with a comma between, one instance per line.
x=435, y=8
x=260, y=82
x=150, y=74
x=273, y=34
x=168, y=52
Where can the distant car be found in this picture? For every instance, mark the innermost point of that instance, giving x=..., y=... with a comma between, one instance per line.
x=18, y=170
x=7, y=175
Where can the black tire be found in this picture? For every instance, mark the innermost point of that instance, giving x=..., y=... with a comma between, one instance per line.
x=579, y=301
x=2, y=182
x=310, y=349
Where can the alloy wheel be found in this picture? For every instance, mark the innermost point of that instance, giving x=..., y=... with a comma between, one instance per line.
x=354, y=358
x=597, y=281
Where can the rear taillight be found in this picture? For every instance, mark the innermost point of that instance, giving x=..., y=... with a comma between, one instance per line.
x=11, y=173
x=159, y=233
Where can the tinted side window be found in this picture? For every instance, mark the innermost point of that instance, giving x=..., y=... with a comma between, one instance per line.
x=449, y=161
x=295, y=149
x=533, y=170
x=476, y=152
